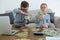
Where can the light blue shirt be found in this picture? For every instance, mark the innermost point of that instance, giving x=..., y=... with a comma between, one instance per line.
x=45, y=20
x=15, y=11
x=19, y=18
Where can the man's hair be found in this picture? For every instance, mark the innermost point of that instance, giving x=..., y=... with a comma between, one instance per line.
x=24, y=4
x=43, y=4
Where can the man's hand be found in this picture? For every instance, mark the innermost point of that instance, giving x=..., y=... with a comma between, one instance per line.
x=23, y=13
x=26, y=14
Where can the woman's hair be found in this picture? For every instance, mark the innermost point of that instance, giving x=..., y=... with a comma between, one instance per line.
x=43, y=4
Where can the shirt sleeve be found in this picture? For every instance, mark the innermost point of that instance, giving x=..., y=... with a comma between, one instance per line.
x=14, y=12
x=47, y=21
x=19, y=20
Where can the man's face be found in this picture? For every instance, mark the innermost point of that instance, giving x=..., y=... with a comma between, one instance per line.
x=24, y=9
x=44, y=8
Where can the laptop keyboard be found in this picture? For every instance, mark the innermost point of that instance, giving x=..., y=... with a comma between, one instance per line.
x=13, y=31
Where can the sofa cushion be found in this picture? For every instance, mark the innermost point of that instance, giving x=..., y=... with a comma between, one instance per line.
x=57, y=22
x=10, y=16
x=51, y=17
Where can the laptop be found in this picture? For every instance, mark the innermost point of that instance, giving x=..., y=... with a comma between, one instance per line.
x=5, y=27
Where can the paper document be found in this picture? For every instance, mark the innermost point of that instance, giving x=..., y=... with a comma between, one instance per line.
x=52, y=38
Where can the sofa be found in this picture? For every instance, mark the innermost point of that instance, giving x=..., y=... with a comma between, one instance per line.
x=10, y=16
x=55, y=20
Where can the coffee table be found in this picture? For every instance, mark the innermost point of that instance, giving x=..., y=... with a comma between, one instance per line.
x=31, y=36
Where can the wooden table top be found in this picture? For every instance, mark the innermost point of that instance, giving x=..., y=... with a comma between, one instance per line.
x=36, y=37
x=31, y=37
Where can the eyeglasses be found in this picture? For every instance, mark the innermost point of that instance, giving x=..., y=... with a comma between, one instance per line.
x=24, y=8
x=43, y=7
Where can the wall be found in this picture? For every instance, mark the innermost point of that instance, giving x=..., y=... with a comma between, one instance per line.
x=34, y=4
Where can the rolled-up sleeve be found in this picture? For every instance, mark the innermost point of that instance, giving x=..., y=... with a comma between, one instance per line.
x=19, y=20
x=47, y=19
x=14, y=12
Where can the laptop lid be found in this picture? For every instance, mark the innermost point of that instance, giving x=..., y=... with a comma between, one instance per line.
x=4, y=25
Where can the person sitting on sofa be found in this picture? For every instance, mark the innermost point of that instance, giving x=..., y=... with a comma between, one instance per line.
x=19, y=15
x=43, y=18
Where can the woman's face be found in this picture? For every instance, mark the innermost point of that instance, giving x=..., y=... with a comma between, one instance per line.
x=44, y=8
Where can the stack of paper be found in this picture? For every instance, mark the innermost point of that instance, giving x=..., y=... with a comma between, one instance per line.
x=22, y=39
x=25, y=30
x=22, y=34
x=41, y=39
x=52, y=38
x=34, y=29
x=51, y=32
x=28, y=17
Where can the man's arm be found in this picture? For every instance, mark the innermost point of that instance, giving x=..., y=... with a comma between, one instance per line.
x=24, y=13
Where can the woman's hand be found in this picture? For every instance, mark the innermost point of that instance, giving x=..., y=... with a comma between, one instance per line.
x=39, y=17
x=45, y=26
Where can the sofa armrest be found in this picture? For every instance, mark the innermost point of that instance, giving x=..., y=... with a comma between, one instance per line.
x=57, y=22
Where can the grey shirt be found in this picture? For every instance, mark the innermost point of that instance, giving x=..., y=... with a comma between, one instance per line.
x=19, y=18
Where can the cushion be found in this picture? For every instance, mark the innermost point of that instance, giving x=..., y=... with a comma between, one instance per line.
x=10, y=16
x=51, y=17
x=57, y=22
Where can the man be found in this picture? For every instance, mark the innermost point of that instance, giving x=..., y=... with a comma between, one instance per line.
x=19, y=15
x=43, y=18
